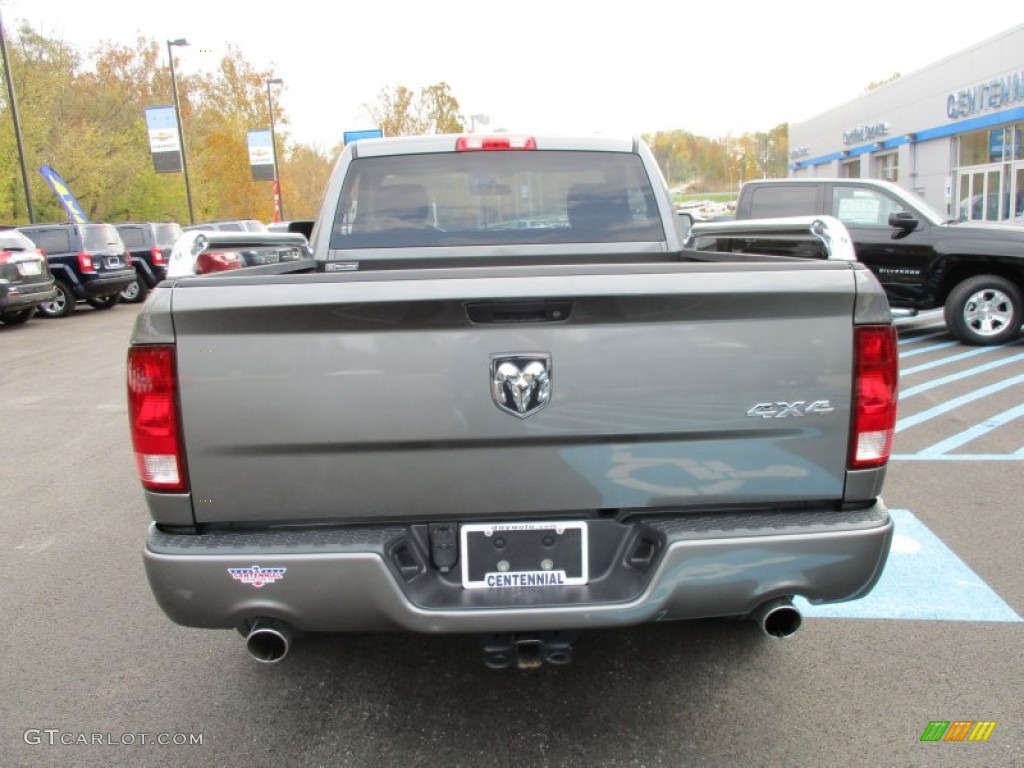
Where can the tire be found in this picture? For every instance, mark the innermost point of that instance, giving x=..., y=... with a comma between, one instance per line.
x=985, y=310
x=104, y=302
x=62, y=305
x=18, y=318
x=136, y=292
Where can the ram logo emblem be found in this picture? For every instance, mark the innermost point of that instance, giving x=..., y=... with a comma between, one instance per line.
x=521, y=384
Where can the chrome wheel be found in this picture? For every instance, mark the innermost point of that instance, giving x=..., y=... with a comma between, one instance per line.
x=62, y=305
x=985, y=310
x=988, y=312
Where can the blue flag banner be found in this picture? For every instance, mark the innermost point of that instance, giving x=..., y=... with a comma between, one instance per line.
x=67, y=200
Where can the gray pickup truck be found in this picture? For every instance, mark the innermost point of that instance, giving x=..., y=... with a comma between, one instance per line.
x=502, y=398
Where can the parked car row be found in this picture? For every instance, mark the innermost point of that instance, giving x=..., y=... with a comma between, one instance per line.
x=25, y=277
x=49, y=268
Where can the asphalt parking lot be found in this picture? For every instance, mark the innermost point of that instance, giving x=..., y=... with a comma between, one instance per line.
x=90, y=658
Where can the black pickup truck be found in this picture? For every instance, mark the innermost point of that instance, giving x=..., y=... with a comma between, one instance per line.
x=975, y=270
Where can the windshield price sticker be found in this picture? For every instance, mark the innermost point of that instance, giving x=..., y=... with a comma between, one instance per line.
x=524, y=555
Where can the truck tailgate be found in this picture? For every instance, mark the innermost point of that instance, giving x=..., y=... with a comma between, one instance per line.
x=337, y=397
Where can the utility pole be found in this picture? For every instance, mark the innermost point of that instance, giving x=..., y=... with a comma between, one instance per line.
x=273, y=146
x=17, y=124
x=181, y=134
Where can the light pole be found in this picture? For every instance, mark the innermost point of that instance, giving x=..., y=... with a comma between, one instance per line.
x=17, y=125
x=474, y=119
x=181, y=134
x=273, y=145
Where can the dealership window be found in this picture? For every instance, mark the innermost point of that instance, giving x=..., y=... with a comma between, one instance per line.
x=991, y=174
x=887, y=166
x=850, y=169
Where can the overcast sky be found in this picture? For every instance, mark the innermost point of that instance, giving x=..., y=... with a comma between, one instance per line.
x=564, y=66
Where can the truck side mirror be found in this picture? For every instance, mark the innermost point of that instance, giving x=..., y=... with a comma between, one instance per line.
x=685, y=222
x=904, y=220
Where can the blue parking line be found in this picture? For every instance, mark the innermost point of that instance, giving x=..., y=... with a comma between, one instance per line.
x=955, y=403
x=947, y=360
x=926, y=350
x=923, y=579
x=911, y=391
x=954, y=442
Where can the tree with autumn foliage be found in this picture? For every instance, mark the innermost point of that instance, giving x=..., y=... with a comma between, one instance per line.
x=701, y=164
x=88, y=123
x=401, y=111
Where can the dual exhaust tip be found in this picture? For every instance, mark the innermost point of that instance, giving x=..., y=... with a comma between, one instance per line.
x=270, y=640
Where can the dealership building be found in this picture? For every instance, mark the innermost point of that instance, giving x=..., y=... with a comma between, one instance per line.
x=951, y=132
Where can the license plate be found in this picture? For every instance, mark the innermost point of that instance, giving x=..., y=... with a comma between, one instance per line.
x=30, y=268
x=515, y=555
x=113, y=262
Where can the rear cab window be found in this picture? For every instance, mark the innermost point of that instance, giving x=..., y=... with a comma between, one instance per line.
x=781, y=200
x=102, y=237
x=165, y=235
x=11, y=240
x=496, y=198
x=133, y=237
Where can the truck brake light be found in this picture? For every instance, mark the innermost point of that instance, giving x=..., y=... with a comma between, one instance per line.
x=876, y=369
x=217, y=261
x=153, y=418
x=475, y=143
x=157, y=255
x=85, y=262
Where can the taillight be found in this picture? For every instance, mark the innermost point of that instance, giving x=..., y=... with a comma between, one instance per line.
x=85, y=262
x=5, y=256
x=217, y=261
x=128, y=258
x=876, y=369
x=473, y=142
x=153, y=418
x=157, y=255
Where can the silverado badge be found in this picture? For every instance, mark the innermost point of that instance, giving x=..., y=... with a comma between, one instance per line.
x=521, y=384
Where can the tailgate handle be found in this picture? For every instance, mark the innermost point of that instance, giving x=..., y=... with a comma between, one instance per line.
x=519, y=311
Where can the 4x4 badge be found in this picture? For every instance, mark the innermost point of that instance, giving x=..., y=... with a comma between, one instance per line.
x=521, y=384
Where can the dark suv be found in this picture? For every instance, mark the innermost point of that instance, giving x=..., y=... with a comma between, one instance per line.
x=25, y=277
x=89, y=262
x=150, y=245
